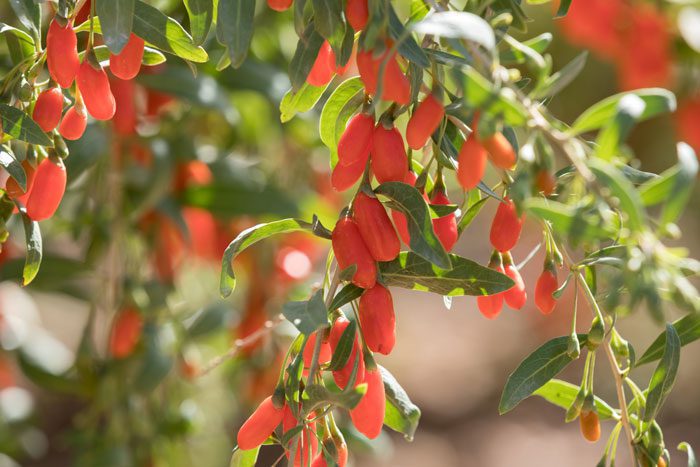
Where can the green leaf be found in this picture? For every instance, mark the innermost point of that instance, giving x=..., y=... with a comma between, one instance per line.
x=657, y=190
x=348, y=293
x=478, y=92
x=538, y=43
x=614, y=133
x=657, y=101
x=688, y=330
x=116, y=20
x=151, y=56
x=664, y=376
x=682, y=185
x=408, y=47
x=569, y=221
x=336, y=112
x=244, y=458
x=466, y=277
x=424, y=242
x=328, y=18
x=319, y=395
x=307, y=316
x=249, y=237
x=300, y=101
x=458, y=25
x=19, y=43
x=29, y=14
x=564, y=6
x=692, y=462
x=401, y=414
x=13, y=167
x=32, y=235
x=563, y=77
x=344, y=347
x=536, y=370
x=20, y=126
x=304, y=56
x=165, y=33
x=201, y=13
x=630, y=201
x=234, y=28
x=562, y=394
x=470, y=214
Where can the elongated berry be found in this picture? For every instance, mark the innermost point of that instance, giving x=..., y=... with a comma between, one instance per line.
x=357, y=14
x=13, y=189
x=501, y=152
x=62, y=53
x=323, y=68
x=345, y=176
x=73, y=124
x=125, y=118
x=126, y=333
x=395, y=85
x=377, y=319
x=306, y=443
x=325, y=355
x=545, y=182
x=506, y=226
x=350, y=249
x=279, y=5
x=546, y=284
x=424, y=121
x=516, y=296
x=472, y=163
x=490, y=305
x=97, y=94
x=590, y=425
x=49, y=186
x=259, y=425
x=368, y=415
x=127, y=63
x=356, y=142
x=445, y=227
x=375, y=227
x=389, y=160
x=342, y=376
x=48, y=109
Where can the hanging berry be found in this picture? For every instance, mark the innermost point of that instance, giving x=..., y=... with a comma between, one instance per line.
x=368, y=415
x=94, y=87
x=127, y=63
x=259, y=425
x=62, y=53
x=375, y=227
x=126, y=333
x=349, y=249
x=424, y=121
x=357, y=14
x=48, y=108
x=445, y=227
x=378, y=320
x=14, y=191
x=279, y=5
x=506, y=226
x=342, y=376
x=546, y=285
x=50, y=180
x=501, y=152
x=345, y=176
x=323, y=68
x=472, y=163
x=516, y=296
x=490, y=305
x=74, y=123
x=389, y=159
x=356, y=142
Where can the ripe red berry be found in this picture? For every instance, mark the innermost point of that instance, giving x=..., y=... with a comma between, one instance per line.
x=126, y=333
x=424, y=121
x=490, y=305
x=378, y=320
x=506, y=226
x=259, y=425
x=357, y=14
x=389, y=160
x=125, y=118
x=73, y=123
x=48, y=109
x=355, y=143
x=395, y=85
x=341, y=459
x=501, y=152
x=345, y=176
x=349, y=249
x=62, y=53
x=516, y=296
x=472, y=163
x=342, y=376
x=306, y=444
x=50, y=184
x=323, y=68
x=14, y=191
x=445, y=227
x=279, y=5
x=97, y=94
x=127, y=63
x=325, y=355
x=375, y=227
x=368, y=415
x=546, y=284
x=545, y=182
x=590, y=425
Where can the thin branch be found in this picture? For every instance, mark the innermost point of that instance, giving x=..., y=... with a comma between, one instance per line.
x=319, y=341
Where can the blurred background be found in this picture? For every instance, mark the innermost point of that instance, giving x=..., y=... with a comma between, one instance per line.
x=209, y=152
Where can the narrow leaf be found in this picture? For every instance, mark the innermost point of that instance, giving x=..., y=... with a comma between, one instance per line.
x=623, y=190
x=344, y=348
x=562, y=394
x=234, y=28
x=32, y=235
x=29, y=14
x=13, y=167
x=307, y=316
x=20, y=126
x=688, y=330
x=348, y=293
x=682, y=185
x=244, y=458
x=664, y=376
x=401, y=414
x=336, y=112
x=692, y=462
x=299, y=101
x=201, y=13
x=116, y=20
x=304, y=56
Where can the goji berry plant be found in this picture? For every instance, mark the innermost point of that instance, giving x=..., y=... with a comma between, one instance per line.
x=429, y=110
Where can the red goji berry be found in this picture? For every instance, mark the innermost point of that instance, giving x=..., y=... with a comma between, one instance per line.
x=356, y=142
x=378, y=320
x=506, y=226
x=590, y=425
x=97, y=94
x=279, y=5
x=48, y=109
x=345, y=176
x=472, y=163
x=126, y=333
x=501, y=152
x=74, y=123
x=125, y=118
x=13, y=189
x=546, y=284
x=545, y=182
x=307, y=443
x=395, y=85
x=342, y=376
x=376, y=228
x=445, y=227
x=357, y=14
x=51, y=180
x=516, y=296
x=349, y=249
x=127, y=63
x=368, y=415
x=323, y=68
x=424, y=121
x=325, y=355
x=62, y=53
x=389, y=160
x=259, y=425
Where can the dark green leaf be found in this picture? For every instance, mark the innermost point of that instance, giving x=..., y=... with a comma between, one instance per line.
x=664, y=376
x=328, y=18
x=408, y=46
x=300, y=101
x=247, y=238
x=466, y=277
x=344, y=347
x=623, y=190
x=401, y=414
x=458, y=25
x=688, y=330
x=29, y=14
x=562, y=394
x=348, y=293
x=319, y=395
x=234, y=28
x=563, y=77
x=682, y=186
x=116, y=20
x=307, y=316
x=539, y=367
x=614, y=133
x=568, y=220
x=304, y=56
x=336, y=112
x=423, y=242
x=32, y=236
x=20, y=126
x=13, y=167
x=19, y=43
x=201, y=13
x=246, y=458
x=563, y=8
x=692, y=462
x=470, y=214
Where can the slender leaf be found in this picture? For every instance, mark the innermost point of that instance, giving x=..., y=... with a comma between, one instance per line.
x=348, y=293
x=19, y=43
x=13, y=167
x=116, y=20
x=336, y=112
x=304, y=56
x=201, y=13
x=564, y=6
x=620, y=187
x=562, y=394
x=682, y=186
x=299, y=101
x=234, y=28
x=307, y=316
x=401, y=414
x=470, y=214
x=688, y=330
x=20, y=126
x=664, y=376
x=32, y=235
x=538, y=43
x=29, y=14
x=479, y=92
x=692, y=462
x=568, y=220
x=343, y=349
x=563, y=77
x=408, y=47
x=244, y=458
